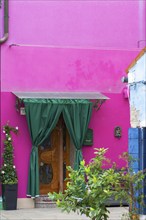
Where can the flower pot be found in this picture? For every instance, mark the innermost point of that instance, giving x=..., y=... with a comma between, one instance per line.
x=135, y=217
x=9, y=196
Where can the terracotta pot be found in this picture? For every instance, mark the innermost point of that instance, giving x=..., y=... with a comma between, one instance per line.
x=135, y=217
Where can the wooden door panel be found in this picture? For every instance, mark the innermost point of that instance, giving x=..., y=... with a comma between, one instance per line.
x=52, y=158
x=66, y=156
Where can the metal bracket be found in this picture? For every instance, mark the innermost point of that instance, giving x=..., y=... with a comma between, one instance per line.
x=97, y=105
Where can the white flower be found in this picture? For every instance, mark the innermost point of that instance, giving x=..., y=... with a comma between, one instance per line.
x=6, y=134
x=3, y=172
x=41, y=164
x=5, y=165
x=14, y=167
x=17, y=128
x=9, y=138
x=4, y=131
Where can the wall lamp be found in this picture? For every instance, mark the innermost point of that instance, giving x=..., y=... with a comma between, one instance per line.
x=124, y=79
x=20, y=106
x=118, y=132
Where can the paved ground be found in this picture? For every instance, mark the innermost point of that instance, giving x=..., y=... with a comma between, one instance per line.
x=53, y=214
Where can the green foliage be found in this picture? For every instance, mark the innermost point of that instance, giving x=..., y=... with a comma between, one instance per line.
x=90, y=187
x=8, y=173
x=132, y=184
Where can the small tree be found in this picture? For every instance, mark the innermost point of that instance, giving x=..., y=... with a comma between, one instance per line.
x=90, y=188
x=8, y=173
x=132, y=185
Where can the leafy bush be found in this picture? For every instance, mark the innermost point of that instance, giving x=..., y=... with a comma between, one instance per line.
x=90, y=188
x=133, y=183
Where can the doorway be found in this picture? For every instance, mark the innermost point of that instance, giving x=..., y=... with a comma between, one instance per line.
x=54, y=157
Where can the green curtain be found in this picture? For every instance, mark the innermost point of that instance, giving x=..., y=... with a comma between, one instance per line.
x=42, y=118
x=77, y=117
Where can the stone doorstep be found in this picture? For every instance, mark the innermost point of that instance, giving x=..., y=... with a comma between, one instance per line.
x=42, y=198
x=45, y=205
x=44, y=202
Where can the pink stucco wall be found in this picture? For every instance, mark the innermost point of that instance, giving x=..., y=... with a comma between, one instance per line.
x=107, y=23
x=70, y=46
x=74, y=69
x=84, y=23
x=114, y=112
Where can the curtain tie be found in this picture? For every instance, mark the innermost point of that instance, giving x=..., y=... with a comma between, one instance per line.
x=34, y=148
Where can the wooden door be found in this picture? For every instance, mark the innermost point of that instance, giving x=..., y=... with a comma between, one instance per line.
x=53, y=159
x=66, y=155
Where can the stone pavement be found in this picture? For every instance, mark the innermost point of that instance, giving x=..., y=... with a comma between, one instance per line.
x=54, y=214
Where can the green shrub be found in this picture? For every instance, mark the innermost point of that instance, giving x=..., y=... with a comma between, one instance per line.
x=91, y=187
x=8, y=174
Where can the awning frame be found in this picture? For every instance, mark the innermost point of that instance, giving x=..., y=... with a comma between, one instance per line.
x=61, y=95
x=97, y=97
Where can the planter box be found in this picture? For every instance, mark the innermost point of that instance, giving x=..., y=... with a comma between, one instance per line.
x=9, y=196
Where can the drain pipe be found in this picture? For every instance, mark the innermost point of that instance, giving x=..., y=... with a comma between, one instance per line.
x=6, y=22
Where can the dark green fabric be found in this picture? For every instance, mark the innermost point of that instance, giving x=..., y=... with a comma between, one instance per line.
x=42, y=119
x=77, y=117
x=56, y=101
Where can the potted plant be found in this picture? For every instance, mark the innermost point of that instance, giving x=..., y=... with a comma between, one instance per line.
x=90, y=188
x=8, y=174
